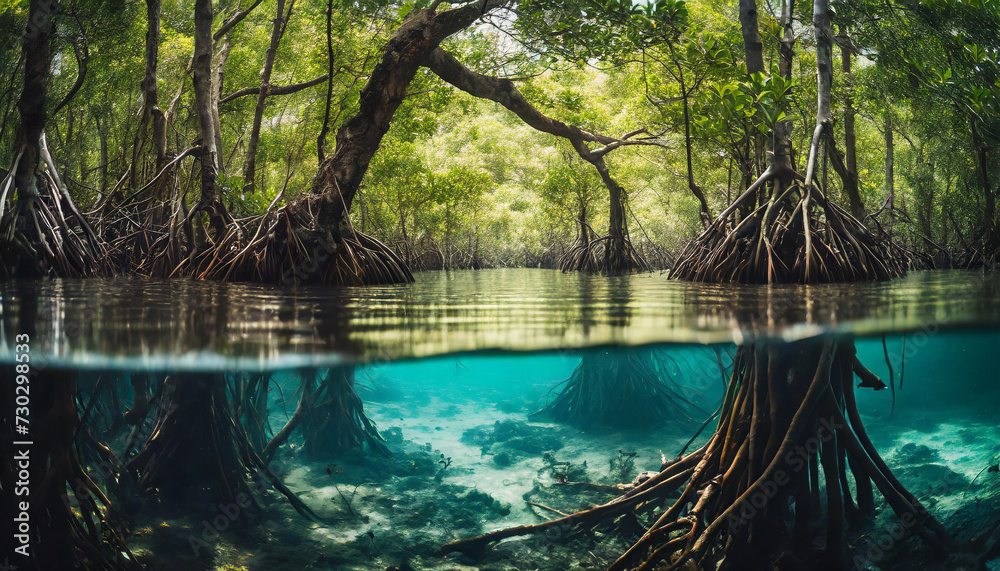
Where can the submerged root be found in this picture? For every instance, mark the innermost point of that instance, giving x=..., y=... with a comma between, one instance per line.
x=789, y=434
x=73, y=523
x=198, y=448
x=336, y=420
x=608, y=255
x=331, y=417
x=798, y=236
x=624, y=388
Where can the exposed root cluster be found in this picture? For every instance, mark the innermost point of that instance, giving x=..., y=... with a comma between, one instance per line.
x=196, y=445
x=631, y=387
x=284, y=246
x=796, y=236
x=789, y=452
x=44, y=233
x=609, y=255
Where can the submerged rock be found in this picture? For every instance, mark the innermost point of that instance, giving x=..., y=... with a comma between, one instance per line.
x=509, y=440
x=912, y=453
x=931, y=480
x=393, y=435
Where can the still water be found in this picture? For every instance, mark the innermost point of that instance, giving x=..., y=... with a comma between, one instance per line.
x=183, y=323
x=460, y=378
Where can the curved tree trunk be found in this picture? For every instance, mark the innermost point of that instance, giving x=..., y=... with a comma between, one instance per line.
x=35, y=235
x=321, y=139
x=340, y=175
x=706, y=214
x=618, y=253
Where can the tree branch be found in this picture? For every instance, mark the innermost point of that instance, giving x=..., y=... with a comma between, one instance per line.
x=504, y=92
x=281, y=90
x=236, y=19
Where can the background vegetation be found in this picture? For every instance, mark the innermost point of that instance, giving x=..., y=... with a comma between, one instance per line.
x=461, y=182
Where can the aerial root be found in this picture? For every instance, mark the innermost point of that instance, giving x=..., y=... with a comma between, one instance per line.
x=610, y=255
x=73, y=521
x=789, y=421
x=798, y=236
x=44, y=233
x=225, y=461
x=334, y=419
x=283, y=247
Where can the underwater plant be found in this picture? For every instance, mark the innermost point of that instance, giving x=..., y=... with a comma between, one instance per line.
x=623, y=465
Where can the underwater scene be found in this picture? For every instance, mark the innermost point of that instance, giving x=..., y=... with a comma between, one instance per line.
x=499, y=285
x=510, y=419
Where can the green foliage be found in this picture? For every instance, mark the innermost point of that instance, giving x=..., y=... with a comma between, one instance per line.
x=466, y=179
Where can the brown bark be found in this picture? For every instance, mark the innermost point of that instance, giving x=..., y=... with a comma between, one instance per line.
x=617, y=223
x=202, y=72
x=321, y=139
x=102, y=133
x=753, y=49
x=890, y=163
x=277, y=30
x=273, y=89
x=706, y=214
x=82, y=53
x=504, y=92
x=150, y=93
x=339, y=176
x=983, y=177
x=31, y=104
x=850, y=176
x=236, y=19
x=583, y=228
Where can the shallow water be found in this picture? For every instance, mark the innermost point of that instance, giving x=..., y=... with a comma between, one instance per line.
x=200, y=325
x=453, y=368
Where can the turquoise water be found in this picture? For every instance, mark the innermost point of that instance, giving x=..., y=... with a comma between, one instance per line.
x=453, y=372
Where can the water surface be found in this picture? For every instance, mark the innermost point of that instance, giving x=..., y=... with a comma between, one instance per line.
x=193, y=324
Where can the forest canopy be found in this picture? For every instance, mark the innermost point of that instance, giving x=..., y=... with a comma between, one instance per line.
x=492, y=135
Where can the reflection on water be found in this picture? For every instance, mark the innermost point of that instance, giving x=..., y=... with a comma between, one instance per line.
x=195, y=324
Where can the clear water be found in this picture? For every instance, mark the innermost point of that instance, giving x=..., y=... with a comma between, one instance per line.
x=200, y=325
x=440, y=363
